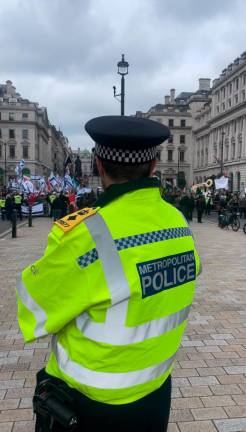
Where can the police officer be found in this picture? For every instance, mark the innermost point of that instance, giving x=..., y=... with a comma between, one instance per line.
x=18, y=203
x=114, y=288
x=2, y=206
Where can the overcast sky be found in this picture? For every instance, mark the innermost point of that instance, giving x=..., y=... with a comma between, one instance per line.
x=64, y=53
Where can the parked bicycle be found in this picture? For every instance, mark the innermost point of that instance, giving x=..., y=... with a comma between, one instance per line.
x=229, y=218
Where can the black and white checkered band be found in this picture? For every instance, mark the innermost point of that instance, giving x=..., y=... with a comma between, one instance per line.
x=125, y=156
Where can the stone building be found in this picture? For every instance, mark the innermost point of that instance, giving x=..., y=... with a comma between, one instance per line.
x=175, y=155
x=25, y=133
x=219, y=127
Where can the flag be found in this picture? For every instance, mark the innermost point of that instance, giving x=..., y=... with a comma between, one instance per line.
x=19, y=167
x=52, y=179
x=221, y=183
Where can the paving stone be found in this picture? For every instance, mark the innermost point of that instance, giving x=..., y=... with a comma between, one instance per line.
x=26, y=402
x=189, y=402
x=240, y=399
x=6, y=427
x=226, y=389
x=24, y=426
x=197, y=426
x=209, y=413
x=181, y=415
x=172, y=427
x=217, y=401
x=200, y=381
x=236, y=411
x=231, y=425
x=196, y=391
x=16, y=414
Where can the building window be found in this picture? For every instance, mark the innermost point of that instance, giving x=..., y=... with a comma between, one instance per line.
x=233, y=149
x=169, y=155
x=236, y=99
x=24, y=133
x=24, y=116
x=25, y=152
x=244, y=79
x=12, y=151
x=218, y=109
x=243, y=95
x=170, y=139
x=158, y=155
x=230, y=88
x=229, y=103
x=223, y=106
x=239, y=149
x=170, y=122
x=237, y=83
x=226, y=152
x=224, y=93
x=182, y=123
x=11, y=133
x=238, y=181
x=235, y=126
x=181, y=155
x=182, y=139
x=11, y=116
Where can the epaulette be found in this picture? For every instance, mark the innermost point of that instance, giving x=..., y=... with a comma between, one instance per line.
x=67, y=223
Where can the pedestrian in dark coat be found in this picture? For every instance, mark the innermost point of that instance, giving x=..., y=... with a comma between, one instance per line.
x=200, y=206
x=9, y=206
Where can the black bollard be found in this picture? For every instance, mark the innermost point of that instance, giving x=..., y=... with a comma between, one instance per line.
x=14, y=218
x=30, y=216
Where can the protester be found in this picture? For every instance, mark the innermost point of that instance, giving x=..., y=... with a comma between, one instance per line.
x=200, y=206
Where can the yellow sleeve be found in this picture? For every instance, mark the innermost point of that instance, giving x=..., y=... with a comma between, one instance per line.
x=55, y=289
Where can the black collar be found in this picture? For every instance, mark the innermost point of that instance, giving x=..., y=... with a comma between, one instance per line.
x=116, y=190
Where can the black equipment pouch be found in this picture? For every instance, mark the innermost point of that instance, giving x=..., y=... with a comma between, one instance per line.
x=52, y=403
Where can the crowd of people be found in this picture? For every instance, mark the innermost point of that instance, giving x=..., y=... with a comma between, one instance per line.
x=55, y=204
x=203, y=202
x=59, y=204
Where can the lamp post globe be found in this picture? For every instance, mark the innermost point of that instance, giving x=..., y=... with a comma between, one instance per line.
x=123, y=66
x=122, y=70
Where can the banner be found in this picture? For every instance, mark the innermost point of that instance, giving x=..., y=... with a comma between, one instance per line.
x=221, y=183
x=37, y=209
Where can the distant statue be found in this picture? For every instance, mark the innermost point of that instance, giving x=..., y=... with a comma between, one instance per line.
x=78, y=171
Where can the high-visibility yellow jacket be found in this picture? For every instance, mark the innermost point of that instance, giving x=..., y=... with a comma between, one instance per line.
x=114, y=287
x=17, y=199
x=2, y=202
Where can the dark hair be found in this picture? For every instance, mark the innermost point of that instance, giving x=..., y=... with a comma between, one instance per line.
x=126, y=172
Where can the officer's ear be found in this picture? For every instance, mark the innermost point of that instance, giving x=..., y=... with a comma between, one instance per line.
x=100, y=167
x=152, y=167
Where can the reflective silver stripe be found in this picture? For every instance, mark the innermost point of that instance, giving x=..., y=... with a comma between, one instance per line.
x=121, y=335
x=108, y=254
x=107, y=380
x=31, y=305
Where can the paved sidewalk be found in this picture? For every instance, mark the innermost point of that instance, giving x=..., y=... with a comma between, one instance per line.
x=209, y=381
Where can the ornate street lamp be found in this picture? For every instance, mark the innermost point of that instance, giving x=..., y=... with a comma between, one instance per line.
x=122, y=70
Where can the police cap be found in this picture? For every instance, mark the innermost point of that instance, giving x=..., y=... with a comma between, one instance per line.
x=126, y=140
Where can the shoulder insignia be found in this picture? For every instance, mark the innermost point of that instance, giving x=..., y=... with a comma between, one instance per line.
x=70, y=221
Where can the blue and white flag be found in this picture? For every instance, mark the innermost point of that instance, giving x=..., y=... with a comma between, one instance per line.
x=19, y=167
x=52, y=179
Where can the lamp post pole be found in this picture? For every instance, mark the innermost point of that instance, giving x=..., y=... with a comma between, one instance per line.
x=5, y=165
x=222, y=153
x=178, y=170
x=122, y=70
x=122, y=100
